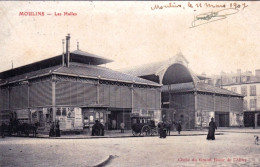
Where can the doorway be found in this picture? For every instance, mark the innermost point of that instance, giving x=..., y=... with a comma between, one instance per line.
x=222, y=119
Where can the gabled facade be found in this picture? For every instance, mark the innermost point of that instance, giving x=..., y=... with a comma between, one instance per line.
x=186, y=98
x=75, y=90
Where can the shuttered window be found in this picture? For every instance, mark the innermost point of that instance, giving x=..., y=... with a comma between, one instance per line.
x=75, y=93
x=205, y=102
x=40, y=93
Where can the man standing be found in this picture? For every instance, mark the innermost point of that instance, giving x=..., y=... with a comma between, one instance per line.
x=122, y=126
x=3, y=130
x=113, y=124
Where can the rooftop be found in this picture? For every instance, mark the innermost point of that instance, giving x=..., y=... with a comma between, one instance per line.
x=174, y=70
x=201, y=87
x=75, y=56
x=82, y=70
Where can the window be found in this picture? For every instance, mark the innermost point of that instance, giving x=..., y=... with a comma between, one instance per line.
x=234, y=89
x=64, y=113
x=58, y=112
x=244, y=79
x=244, y=90
x=252, y=90
x=245, y=105
x=252, y=103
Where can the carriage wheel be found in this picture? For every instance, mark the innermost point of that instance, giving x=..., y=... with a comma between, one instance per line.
x=146, y=130
x=135, y=133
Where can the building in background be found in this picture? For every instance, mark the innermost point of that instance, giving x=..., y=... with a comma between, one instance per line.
x=74, y=89
x=186, y=96
x=248, y=85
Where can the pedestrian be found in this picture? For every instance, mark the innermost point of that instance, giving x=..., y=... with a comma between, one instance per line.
x=109, y=124
x=3, y=130
x=162, y=130
x=57, y=129
x=102, y=129
x=122, y=126
x=168, y=128
x=97, y=129
x=113, y=124
x=212, y=127
x=52, y=130
x=179, y=127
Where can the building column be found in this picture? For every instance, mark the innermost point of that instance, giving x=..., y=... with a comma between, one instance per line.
x=9, y=98
x=170, y=112
x=132, y=97
x=28, y=91
x=28, y=104
x=256, y=114
x=229, y=109
x=196, y=108
x=160, y=100
x=214, y=108
x=124, y=115
x=98, y=91
x=146, y=101
x=53, y=97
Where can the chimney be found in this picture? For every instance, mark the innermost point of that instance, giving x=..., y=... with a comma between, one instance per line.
x=257, y=72
x=238, y=72
x=63, y=54
x=67, y=57
x=238, y=75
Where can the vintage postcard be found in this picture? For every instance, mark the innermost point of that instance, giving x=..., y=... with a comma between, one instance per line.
x=129, y=83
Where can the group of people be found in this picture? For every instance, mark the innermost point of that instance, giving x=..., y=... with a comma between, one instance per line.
x=98, y=129
x=55, y=129
x=165, y=128
x=111, y=124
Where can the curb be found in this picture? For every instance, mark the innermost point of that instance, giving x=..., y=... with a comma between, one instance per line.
x=105, y=137
x=104, y=162
x=238, y=132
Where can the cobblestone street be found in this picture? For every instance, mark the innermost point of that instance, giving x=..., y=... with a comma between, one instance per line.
x=230, y=149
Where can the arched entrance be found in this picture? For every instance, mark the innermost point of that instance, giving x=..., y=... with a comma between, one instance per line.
x=177, y=73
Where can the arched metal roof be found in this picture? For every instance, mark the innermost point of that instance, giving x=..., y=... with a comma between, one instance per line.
x=170, y=71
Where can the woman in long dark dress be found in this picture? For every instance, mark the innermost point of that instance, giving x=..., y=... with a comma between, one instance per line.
x=162, y=130
x=179, y=127
x=212, y=127
x=52, y=130
x=57, y=129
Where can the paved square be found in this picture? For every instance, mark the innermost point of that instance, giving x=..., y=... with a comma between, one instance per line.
x=230, y=149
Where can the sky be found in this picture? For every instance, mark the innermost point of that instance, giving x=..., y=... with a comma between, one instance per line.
x=134, y=33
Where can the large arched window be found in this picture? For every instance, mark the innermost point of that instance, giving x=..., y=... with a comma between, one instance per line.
x=177, y=73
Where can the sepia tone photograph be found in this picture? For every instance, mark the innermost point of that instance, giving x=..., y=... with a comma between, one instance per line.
x=129, y=83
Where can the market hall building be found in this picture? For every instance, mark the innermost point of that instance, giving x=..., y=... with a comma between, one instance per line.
x=186, y=97
x=74, y=89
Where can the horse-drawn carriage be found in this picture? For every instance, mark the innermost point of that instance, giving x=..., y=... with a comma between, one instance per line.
x=143, y=126
x=15, y=127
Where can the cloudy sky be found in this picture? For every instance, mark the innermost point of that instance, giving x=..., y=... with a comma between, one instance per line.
x=131, y=33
